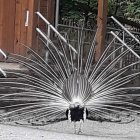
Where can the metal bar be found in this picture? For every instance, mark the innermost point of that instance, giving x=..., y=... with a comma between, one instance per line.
x=74, y=27
x=48, y=34
x=125, y=29
x=114, y=29
x=122, y=49
x=27, y=18
x=3, y=53
x=4, y=74
x=46, y=38
x=53, y=28
x=86, y=29
x=57, y=14
x=43, y=35
x=125, y=45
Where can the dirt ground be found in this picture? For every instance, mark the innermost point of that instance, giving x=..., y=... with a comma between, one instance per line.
x=65, y=131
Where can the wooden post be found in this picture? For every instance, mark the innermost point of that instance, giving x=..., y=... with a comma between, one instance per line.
x=101, y=25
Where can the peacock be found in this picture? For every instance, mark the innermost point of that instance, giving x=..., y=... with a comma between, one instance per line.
x=71, y=85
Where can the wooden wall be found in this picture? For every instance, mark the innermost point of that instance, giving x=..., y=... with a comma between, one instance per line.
x=46, y=9
x=7, y=24
x=12, y=23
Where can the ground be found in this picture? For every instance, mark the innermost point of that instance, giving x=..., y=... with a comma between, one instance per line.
x=65, y=131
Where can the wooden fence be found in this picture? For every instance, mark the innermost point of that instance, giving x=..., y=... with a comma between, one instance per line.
x=18, y=23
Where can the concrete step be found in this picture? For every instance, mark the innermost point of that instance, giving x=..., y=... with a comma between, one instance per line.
x=12, y=66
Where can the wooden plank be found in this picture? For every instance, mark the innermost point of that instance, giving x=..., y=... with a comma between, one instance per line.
x=1, y=13
x=7, y=25
x=51, y=13
x=12, y=20
x=50, y=10
x=33, y=23
x=17, y=26
x=43, y=10
x=43, y=3
x=20, y=28
x=101, y=24
x=23, y=28
x=11, y=25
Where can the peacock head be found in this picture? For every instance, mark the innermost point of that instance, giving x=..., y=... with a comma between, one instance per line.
x=77, y=102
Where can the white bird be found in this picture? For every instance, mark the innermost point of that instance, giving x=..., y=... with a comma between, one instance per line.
x=70, y=89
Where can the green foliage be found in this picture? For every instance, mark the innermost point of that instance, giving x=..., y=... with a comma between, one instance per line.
x=87, y=9
x=78, y=9
x=125, y=8
x=117, y=7
x=133, y=9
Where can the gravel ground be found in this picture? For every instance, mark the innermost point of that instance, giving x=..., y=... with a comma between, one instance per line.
x=23, y=133
x=65, y=131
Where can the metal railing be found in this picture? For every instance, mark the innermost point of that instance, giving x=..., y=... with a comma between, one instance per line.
x=49, y=28
x=133, y=55
x=122, y=40
x=125, y=29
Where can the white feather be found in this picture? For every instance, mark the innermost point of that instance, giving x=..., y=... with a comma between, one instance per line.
x=3, y=53
x=3, y=72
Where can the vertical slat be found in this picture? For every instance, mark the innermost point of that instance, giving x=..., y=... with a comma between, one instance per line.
x=7, y=22
x=20, y=28
x=17, y=26
x=5, y=32
x=1, y=13
x=44, y=12
x=33, y=23
x=11, y=25
x=50, y=11
x=23, y=28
